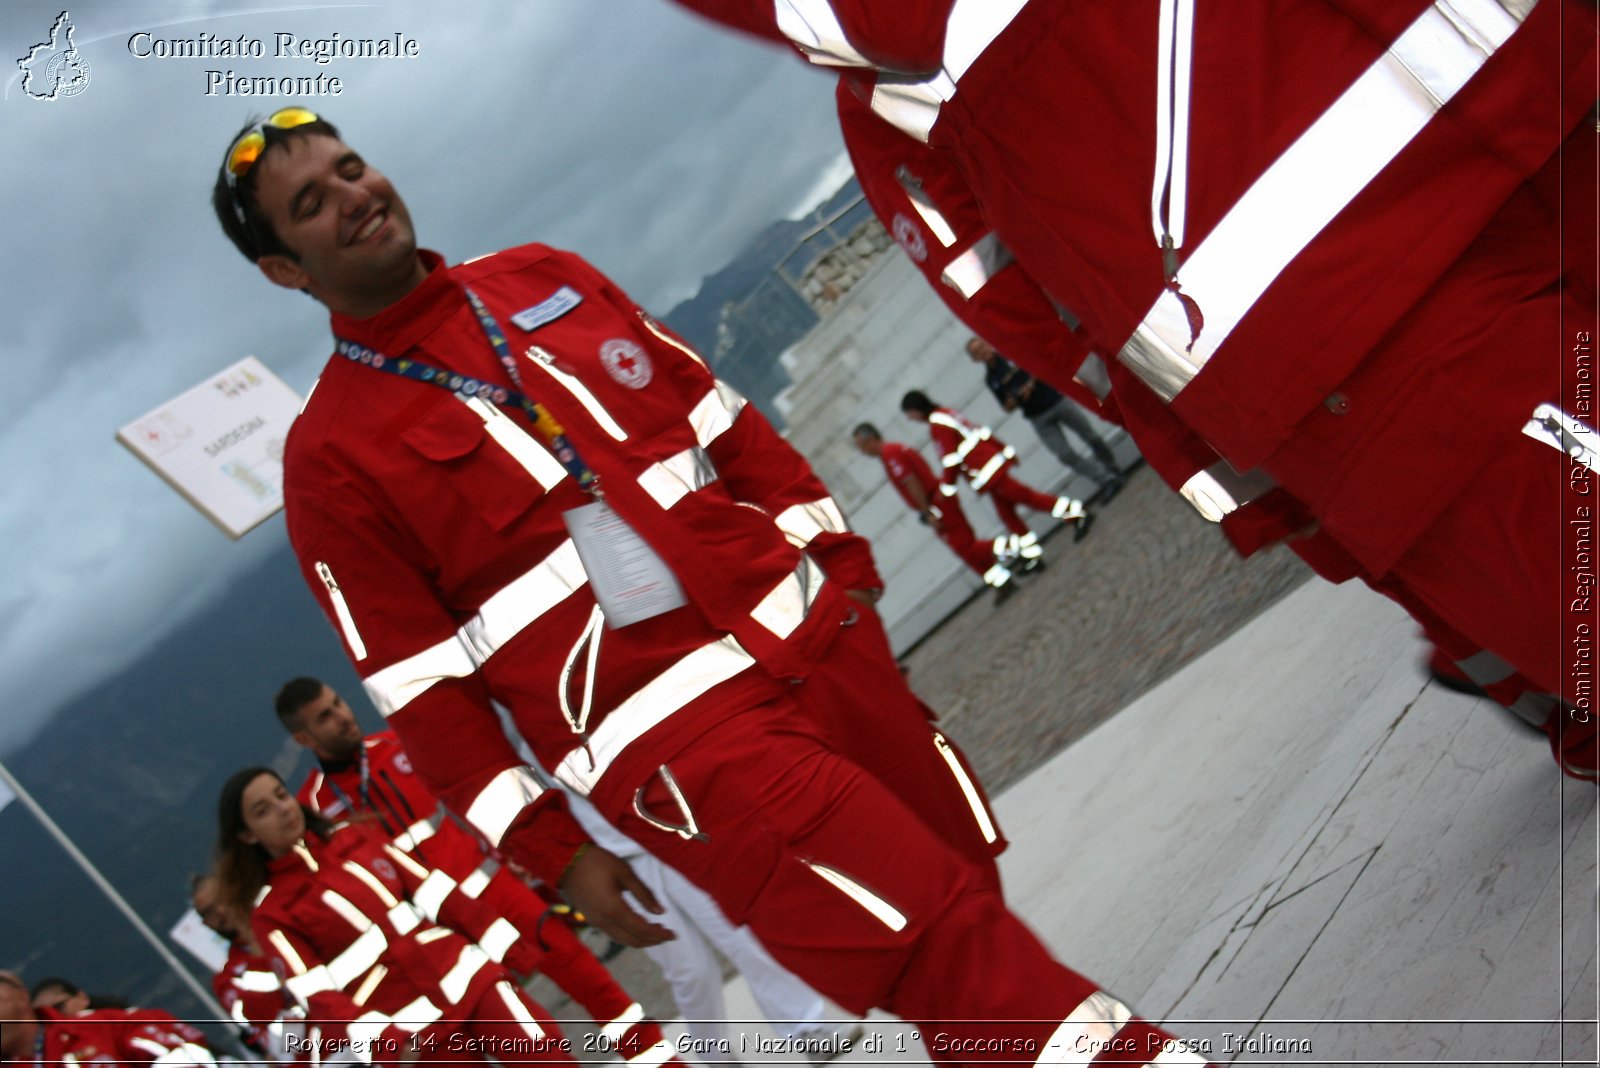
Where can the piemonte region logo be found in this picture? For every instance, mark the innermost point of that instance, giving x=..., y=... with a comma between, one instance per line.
x=55, y=68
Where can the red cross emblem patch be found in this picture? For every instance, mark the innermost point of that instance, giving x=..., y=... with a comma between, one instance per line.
x=626, y=362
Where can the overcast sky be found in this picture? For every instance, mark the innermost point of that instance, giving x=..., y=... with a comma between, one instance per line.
x=627, y=130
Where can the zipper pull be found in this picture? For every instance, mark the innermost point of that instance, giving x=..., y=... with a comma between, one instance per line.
x=1169, y=257
x=544, y=356
x=325, y=573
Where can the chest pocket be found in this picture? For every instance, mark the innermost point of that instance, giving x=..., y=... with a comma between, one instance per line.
x=491, y=463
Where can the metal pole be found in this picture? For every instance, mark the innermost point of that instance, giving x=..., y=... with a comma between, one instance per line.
x=206, y=997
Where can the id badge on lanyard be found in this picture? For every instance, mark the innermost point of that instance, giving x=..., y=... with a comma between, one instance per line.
x=629, y=579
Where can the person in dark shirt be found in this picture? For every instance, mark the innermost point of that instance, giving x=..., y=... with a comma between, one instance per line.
x=1049, y=411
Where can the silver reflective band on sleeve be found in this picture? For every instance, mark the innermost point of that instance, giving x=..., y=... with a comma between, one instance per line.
x=417, y=833
x=971, y=271
x=290, y=958
x=969, y=789
x=1555, y=428
x=417, y=1015
x=1219, y=490
x=405, y=860
x=475, y=884
x=365, y=1031
x=660, y=1053
x=430, y=896
x=370, y=984
x=931, y=215
x=615, y=1029
x=373, y=883
x=308, y=985
x=499, y=804
x=801, y=523
x=433, y=934
x=404, y=918
x=155, y=1049
x=347, y=911
x=1087, y=1031
x=666, y=338
x=1092, y=376
x=523, y=447
x=579, y=391
x=236, y=1010
x=341, y=611
x=913, y=105
x=358, y=957
x=397, y=685
x=456, y=981
x=674, y=478
x=1311, y=183
x=686, y=680
x=498, y=939
x=188, y=1053
x=815, y=30
x=714, y=413
x=258, y=982
x=884, y=912
x=981, y=477
x=783, y=609
x=519, y=1012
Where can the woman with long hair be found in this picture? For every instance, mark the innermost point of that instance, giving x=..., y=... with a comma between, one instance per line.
x=372, y=944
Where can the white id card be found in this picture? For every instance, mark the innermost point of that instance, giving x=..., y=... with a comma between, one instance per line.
x=629, y=579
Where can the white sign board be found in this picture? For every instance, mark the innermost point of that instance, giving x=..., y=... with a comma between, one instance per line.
x=220, y=444
x=208, y=947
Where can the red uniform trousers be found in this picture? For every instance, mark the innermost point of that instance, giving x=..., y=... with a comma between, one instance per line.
x=958, y=534
x=497, y=1026
x=852, y=891
x=1007, y=494
x=884, y=728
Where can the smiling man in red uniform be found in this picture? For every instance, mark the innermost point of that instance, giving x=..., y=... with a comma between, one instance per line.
x=584, y=525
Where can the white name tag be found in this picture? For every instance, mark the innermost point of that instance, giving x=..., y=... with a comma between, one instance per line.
x=548, y=310
x=630, y=580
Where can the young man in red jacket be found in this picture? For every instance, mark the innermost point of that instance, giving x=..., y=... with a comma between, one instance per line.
x=512, y=485
x=371, y=776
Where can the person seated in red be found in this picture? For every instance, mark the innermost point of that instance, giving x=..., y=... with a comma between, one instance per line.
x=101, y=1036
x=372, y=945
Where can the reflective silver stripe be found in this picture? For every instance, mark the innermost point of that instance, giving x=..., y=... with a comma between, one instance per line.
x=913, y=105
x=500, y=802
x=347, y=911
x=1092, y=376
x=456, y=981
x=430, y=896
x=258, y=982
x=674, y=478
x=650, y=325
x=433, y=934
x=801, y=523
x=1087, y=1031
x=1219, y=490
x=1553, y=427
x=369, y=984
x=397, y=685
x=418, y=832
x=417, y=1015
x=341, y=611
x=981, y=477
x=884, y=912
x=815, y=30
x=365, y=1032
x=405, y=860
x=476, y=883
x=519, y=1011
x=1027, y=546
x=404, y=917
x=309, y=984
x=784, y=608
x=971, y=271
x=947, y=490
x=523, y=447
x=155, y=1049
x=498, y=939
x=281, y=944
x=358, y=957
x=1178, y=1057
x=579, y=391
x=714, y=413
x=932, y=217
x=969, y=789
x=615, y=1029
x=1485, y=668
x=187, y=1053
x=1536, y=709
x=373, y=884
x=500, y=618
x=1311, y=183
x=236, y=1010
x=1174, y=59
x=683, y=682
x=997, y=576
x=590, y=639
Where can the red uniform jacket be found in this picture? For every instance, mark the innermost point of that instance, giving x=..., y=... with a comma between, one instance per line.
x=902, y=462
x=374, y=946
x=251, y=991
x=121, y=1036
x=965, y=446
x=432, y=532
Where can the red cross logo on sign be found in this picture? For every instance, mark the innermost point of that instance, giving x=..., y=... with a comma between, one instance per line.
x=910, y=238
x=626, y=362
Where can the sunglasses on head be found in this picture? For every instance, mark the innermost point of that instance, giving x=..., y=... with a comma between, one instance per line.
x=248, y=146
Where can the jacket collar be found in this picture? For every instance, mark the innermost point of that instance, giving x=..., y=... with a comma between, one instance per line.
x=400, y=326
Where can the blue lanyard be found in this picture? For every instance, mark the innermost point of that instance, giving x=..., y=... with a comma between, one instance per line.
x=366, y=794
x=468, y=386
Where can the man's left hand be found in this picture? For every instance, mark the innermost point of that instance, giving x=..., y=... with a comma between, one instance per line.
x=866, y=597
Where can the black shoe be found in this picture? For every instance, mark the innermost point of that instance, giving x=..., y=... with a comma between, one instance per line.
x=1005, y=591
x=1037, y=563
x=1081, y=531
x=1108, y=491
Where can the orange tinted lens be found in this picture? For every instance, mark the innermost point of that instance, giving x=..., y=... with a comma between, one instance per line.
x=289, y=118
x=245, y=152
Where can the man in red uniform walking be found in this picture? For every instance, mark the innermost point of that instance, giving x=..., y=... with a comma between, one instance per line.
x=911, y=476
x=973, y=450
x=372, y=776
x=512, y=485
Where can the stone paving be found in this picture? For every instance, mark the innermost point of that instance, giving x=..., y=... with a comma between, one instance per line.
x=1150, y=588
